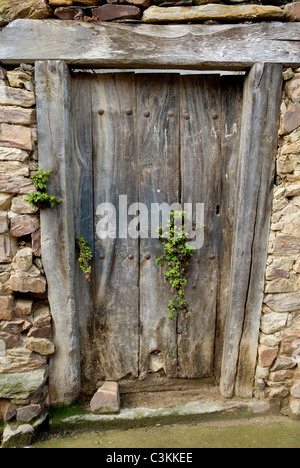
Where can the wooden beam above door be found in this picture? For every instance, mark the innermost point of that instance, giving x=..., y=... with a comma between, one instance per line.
x=200, y=46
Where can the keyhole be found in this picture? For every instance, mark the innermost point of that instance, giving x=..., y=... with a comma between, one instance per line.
x=218, y=210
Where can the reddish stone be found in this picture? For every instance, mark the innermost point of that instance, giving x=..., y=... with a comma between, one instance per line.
x=106, y=400
x=36, y=243
x=43, y=332
x=35, y=285
x=6, y=307
x=16, y=136
x=293, y=10
x=16, y=327
x=23, y=307
x=290, y=120
x=17, y=115
x=288, y=342
x=11, y=184
x=27, y=413
x=23, y=225
x=267, y=356
x=66, y=13
x=113, y=12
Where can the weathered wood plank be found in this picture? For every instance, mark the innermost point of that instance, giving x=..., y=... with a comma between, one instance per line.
x=116, y=343
x=231, y=116
x=201, y=183
x=235, y=46
x=82, y=172
x=158, y=149
x=269, y=98
x=58, y=237
x=258, y=141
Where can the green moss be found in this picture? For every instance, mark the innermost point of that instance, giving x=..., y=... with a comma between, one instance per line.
x=59, y=413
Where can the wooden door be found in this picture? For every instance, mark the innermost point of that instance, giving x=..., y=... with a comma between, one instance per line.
x=156, y=138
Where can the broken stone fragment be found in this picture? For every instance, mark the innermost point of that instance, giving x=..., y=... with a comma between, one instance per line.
x=16, y=136
x=23, y=259
x=6, y=307
x=292, y=10
x=21, y=385
x=35, y=285
x=290, y=120
x=41, y=346
x=5, y=201
x=20, y=79
x=17, y=436
x=17, y=115
x=106, y=400
x=16, y=97
x=28, y=413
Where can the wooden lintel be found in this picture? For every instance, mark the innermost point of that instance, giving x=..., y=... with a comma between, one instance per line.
x=116, y=45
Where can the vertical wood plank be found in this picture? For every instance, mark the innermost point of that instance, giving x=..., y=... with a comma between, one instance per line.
x=258, y=141
x=231, y=122
x=270, y=89
x=158, y=149
x=58, y=237
x=116, y=276
x=201, y=183
x=82, y=171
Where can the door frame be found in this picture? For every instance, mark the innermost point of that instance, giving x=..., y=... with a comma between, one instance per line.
x=123, y=46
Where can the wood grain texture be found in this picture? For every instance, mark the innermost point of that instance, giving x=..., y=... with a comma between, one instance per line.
x=258, y=143
x=116, y=276
x=82, y=170
x=159, y=166
x=234, y=46
x=57, y=227
x=200, y=163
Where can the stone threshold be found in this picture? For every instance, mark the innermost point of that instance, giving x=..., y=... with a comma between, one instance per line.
x=192, y=412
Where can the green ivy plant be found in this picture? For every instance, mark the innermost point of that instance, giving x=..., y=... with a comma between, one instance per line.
x=85, y=256
x=40, y=197
x=176, y=257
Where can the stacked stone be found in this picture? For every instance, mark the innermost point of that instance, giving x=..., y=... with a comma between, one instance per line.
x=25, y=320
x=278, y=371
x=151, y=11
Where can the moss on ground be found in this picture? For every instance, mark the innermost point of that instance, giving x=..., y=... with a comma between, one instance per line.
x=271, y=432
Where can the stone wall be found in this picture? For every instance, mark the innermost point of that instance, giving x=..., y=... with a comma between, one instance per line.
x=278, y=375
x=151, y=11
x=25, y=321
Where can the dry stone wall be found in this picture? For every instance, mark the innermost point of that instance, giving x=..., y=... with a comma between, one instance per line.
x=151, y=11
x=25, y=320
x=278, y=371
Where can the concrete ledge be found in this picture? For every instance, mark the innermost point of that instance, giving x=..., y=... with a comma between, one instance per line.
x=142, y=417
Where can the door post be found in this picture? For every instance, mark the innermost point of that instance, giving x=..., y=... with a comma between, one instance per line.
x=57, y=227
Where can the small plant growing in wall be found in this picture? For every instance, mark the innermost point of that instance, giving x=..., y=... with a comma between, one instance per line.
x=176, y=257
x=40, y=197
x=85, y=256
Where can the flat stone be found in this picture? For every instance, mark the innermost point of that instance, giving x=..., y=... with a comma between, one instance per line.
x=16, y=136
x=106, y=400
x=267, y=356
x=286, y=245
x=61, y=2
x=224, y=13
x=281, y=285
x=138, y=3
x=17, y=436
x=41, y=346
x=67, y=14
x=28, y=413
x=23, y=307
x=283, y=363
x=13, y=154
x=113, y=12
x=14, y=167
x=289, y=302
x=12, y=184
x=36, y=285
x=290, y=120
x=43, y=332
x=8, y=248
x=19, y=360
x=31, y=9
x=42, y=316
x=273, y=322
x=293, y=190
x=15, y=327
x=17, y=115
x=16, y=97
x=293, y=11
x=23, y=225
x=21, y=385
x=281, y=376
